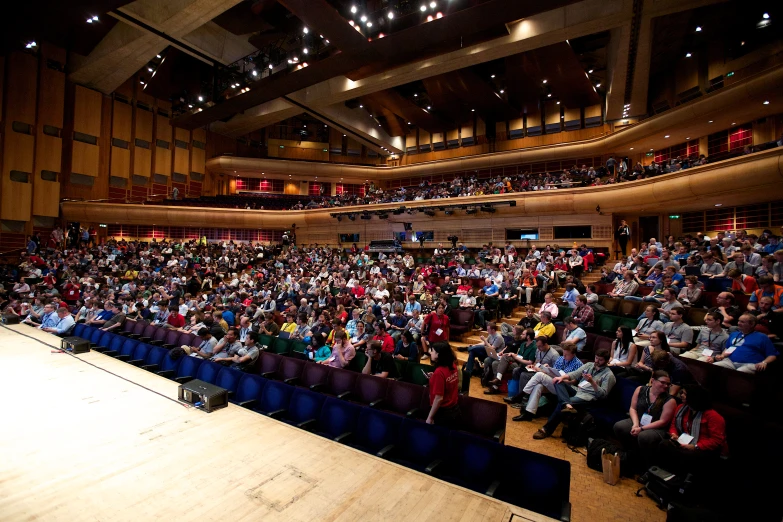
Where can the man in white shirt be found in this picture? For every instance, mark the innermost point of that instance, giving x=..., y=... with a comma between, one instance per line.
x=64, y=323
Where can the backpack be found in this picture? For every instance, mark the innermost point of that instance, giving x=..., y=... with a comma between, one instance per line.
x=579, y=429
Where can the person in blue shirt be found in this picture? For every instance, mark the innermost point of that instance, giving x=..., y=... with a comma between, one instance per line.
x=412, y=305
x=570, y=295
x=228, y=317
x=747, y=350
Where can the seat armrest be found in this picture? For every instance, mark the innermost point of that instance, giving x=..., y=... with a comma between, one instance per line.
x=376, y=404
x=145, y=339
x=169, y=346
x=565, y=515
x=291, y=380
x=247, y=404
x=110, y=353
x=135, y=362
x=385, y=451
x=345, y=395
x=183, y=379
x=500, y=435
x=306, y=425
x=125, y=358
x=343, y=436
x=277, y=413
x=268, y=375
x=492, y=488
x=166, y=373
x=412, y=413
x=430, y=469
x=156, y=342
x=149, y=367
x=230, y=394
x=97, y=348
x=317, y=387
x=134, y=335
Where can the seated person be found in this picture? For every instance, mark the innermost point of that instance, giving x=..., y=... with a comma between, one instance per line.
x=342, y=351
x=520, y=352
x=651, y=413
x=691, y=293
x=545, y=355
x=642, y=369
x=697, y=435
x=206, y=348
x=768, y=321
x=747, y=350
x=623, y=354
x=545, y=327
x=542, y=380
x=302, y=329
x=289, y=326
x=227, y=347
x=406, y=349
x=527, y=321
x=493, y=339
x=591, y=382
x=740, y=282
x=379, y=363
x=649, y=323
x=710, y=342
x=626, y=287
x=726, y=310
x=245, y=358
x=583, y=314
x=268, y=326
x=767, y=287
x=64, y=322
x=679, y=334
x=679, y=374
x=574, y=334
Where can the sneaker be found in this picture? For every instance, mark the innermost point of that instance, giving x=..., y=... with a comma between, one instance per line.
x=540, y=434
x=516, y=405
x=511, y=400
x=526, y=416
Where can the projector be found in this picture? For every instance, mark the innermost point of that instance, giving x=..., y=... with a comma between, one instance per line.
x=204, y=396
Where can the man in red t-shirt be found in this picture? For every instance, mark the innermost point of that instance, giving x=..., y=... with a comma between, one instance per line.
x=383, y=336
x=175, y=320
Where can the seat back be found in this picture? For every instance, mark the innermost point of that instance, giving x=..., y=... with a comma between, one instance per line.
x=473, y=460
x=423, y=443
x=695, y=316
x=169, y=364
x=207, y=371
x=172, y=336
x=155, y=354
x=629, y=308
x=127, y=347
x=268, y=362
x=114, y=343
x=402, y=397
x=607, y=323
x=338, y=417
x=249, y=387
x=149, y=331
x=79, y=329
x=276, y=396
x=189, y=366
x=610, y=303
x=341, y=381
x=265, y=340
x=160, y=333
x=95, y=335
x=315, y=374
x=139, y=327
x=370, y=388
x=299, y=349
x=140, y=352
x=602, y=341
x=305, y=405
x=535, y=482
x=228, y=379
x=290, y=368
x=376, y=430
x=461, y=317
x=484, y=418
x=281, y=346
x=128, y=326
x=187, y=339
x=414, y=373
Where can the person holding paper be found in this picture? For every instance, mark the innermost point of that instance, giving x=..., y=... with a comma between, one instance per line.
x=491, y=344
x=545, y=356
x=520, y=352
x=342, y=351
x=697, y=435
x=542, y=380
x=710, y=341
x=747, y=350
x=651, y=413
x=623, y=351
x=591, y=382
x=650, y=323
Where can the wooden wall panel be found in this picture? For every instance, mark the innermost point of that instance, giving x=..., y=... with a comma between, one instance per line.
x=197, y=161
x=143, y=125
x=467, y=131
x=51, y=98
x=120, y=162
x=16, y=201
x=552, y=112
x=87, y=111
x=18, y=152
x=21, y=89
x=2, y=84
x=181, y=160
x=516, y=124
x=592, y=111
x=162, y=161
x=86, y=159
x=16, y=196
x=199, y=135
x=46, y=197
x=48, y=153
x=122, y=116
x=163, y=130
x=182, y=135
x=142, y=162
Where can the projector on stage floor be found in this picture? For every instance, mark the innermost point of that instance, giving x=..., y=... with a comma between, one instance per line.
x=10, y=319
x=75, y=345
x=203, y=395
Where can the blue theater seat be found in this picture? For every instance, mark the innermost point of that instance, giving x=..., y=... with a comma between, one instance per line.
x=249, y=390
x=338, y=419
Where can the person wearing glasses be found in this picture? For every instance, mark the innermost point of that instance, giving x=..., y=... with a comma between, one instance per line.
x=651, y=413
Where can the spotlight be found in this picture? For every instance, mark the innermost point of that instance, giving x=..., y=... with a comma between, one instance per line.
x=549, y=95
x=363, y=18
x=502, y=91
x=306, y=50
x=544, y=82
x=429, y=18
x=423, y=8
x=31, y=45
x=254, y=73
x=765, y=16
x=353, y=9
x=766, y=102
x=89, y=20
x=369, y=24
x=433, y=5
x=439, y=15
x=597, y=85
x=190, y=106
x=390, y=15
x=590, y=71
x=492, y=76
x=305, y=30
x=271, y=66
x=428, y=107
x=157, y=56
x=698, y=29
x=149, y=69
x=687, y=55
x=201, y=98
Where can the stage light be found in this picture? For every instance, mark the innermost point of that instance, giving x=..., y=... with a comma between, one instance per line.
x=305, y=30
x=157, y=56
x=363, y=18
x=423, y=8
x=254, y=73
x=201, y=98
x=666, y=136
x=766, y=102
x=433, y=5
x=149, y=69
x=502, y=91
x=597, y=85
x=369, y=24
x=271, y=66
x=765, y=16
x=306, y=50
x=493, y=76
x=353, y=9
x=429, y=18
x=698, y=29
x=390, y=15
x=687, y=55
x=544, y=82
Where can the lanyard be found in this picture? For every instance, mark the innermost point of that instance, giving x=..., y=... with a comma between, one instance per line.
x=738, y=339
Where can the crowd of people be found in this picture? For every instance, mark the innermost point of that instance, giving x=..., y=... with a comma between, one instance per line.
x=339, y=302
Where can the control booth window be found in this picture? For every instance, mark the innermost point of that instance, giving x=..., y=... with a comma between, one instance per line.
x=426, y=235
x=516, y=234
x=573, y=232
x=349, y=238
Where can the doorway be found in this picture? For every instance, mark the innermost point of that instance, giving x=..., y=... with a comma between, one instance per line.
x=649, y=226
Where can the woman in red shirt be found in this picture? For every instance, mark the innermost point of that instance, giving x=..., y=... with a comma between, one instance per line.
x=444, y=387
x=436, y=324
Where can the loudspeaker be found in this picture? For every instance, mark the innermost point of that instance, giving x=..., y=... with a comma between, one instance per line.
x=75, y=345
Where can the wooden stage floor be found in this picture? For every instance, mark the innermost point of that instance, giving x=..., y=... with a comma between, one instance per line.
x=88, y=437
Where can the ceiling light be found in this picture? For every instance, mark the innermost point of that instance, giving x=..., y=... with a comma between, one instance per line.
x=688, y=138
x=710, y=121
x=631, y=148
x=31, y=45
x=698, y=29
x=548, y=95
x=558, y=103
x=390, y=15
x=430, y=18
x=433, y=5
x=718, y=204
x=141, y=82
x=423, y=8
x=89, y=20
x=305, y=50
x=428, y=107
x=733, y=123
x=651, y=149
x=343, y=135
x=361, y=106
x=254, y=73
x=590, y=71
x=369, y=24
x=363, y=18
x=295, y=59
x=687, y=55
x=201, y=98
x=666, y=136
x=325, y=126
x=409, y=123
x=327, y=42
x=149, y=69
x=765, y=16
x=321, y=35
x=290, y=61
x=597, y=85
x=439, y=15
x=415, y=95
x=353, y=9
x=766, y=102
x=742, y=42
x=472, y=110
x=351, y=23
x=502, y=91
x=190, y=106
x=158, y=57
x=271, y=66
x=544, y=81
x=492, y=76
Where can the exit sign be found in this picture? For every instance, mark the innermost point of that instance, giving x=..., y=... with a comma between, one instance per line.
x=649, y=154
x=729, y=75
x=674, y=216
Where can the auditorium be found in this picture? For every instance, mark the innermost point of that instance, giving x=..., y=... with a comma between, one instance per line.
x=380, y=260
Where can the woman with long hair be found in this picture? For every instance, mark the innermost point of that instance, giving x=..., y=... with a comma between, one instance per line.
x=444, y=387
x=623, y=351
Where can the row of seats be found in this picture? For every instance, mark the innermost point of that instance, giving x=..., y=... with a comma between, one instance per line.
x=347, y=407
x=480, y=417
